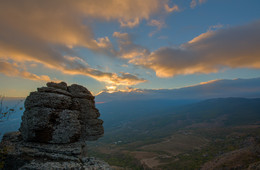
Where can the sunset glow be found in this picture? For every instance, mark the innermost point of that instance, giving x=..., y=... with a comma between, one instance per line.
x=124, y=45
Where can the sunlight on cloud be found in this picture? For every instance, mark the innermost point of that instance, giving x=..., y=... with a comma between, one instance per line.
x=111, y=89
x=210, y=81
x=104, y=42
x=128, y=49
x=156, y=23
x=171, y=9
x=46, y=32
x=13, y=71
x=202, y=36
x=129, y=24
x=210, y=52
x=126, y=89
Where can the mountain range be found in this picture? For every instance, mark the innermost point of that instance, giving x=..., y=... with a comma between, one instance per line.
x=247, y=88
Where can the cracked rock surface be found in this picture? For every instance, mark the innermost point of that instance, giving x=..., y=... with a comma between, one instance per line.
x=61, y=114
x=57, y=122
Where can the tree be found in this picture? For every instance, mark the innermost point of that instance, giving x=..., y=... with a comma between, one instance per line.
x=5, y=111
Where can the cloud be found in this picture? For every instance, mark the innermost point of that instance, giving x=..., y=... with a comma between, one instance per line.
x=156, y=23
x=246, y=88
x=124, y=79
x=215, y=27
x=124, y=65
x=114, y=89
x=127, y=48
x=210, y=81
x=171, y=9
x=163, y=37
x=129, y=23
x=46, y=32
x=202, y=1
x=194, y=3
x=234, y=47
x=14, y=71
x=129, y=79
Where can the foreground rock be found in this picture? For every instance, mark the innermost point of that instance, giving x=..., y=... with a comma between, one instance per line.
x=61, y=114
x=57, y=121
x=19, y=154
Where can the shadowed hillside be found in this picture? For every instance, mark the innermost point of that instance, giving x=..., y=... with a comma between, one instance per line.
x=182, y=136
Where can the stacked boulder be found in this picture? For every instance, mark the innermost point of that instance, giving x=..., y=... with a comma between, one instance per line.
x=61, y=114
x=57, y=122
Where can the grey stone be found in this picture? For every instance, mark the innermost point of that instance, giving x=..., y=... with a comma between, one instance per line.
x=55, y=125
x=38, y=156
x=37, y=124
x=87, y=108
x=67, y=130
x=94, y=132
x=49, y=100
x=61, y=85
x=93, y=122
x=79, y=91
x=53, y=90
x=54, y=115
x=51, y=125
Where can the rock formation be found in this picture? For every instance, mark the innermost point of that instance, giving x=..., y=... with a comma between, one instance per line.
x=61, y=114
x=57, y=121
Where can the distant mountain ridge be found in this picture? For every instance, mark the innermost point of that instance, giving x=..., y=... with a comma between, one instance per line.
x=247, y=88
x=220, y=112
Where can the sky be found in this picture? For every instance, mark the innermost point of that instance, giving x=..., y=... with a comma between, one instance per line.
x=123, y=45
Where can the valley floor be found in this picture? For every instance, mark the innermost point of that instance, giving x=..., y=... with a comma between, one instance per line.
x=187, y=148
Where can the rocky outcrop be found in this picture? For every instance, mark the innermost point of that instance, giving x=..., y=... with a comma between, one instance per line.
x=57, y=121
x=61, y=114
x=19, y=154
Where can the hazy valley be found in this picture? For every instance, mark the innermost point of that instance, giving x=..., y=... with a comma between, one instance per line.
x=184, y=136
x=166, y=133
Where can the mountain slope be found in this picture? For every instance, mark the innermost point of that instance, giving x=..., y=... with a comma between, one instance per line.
x=187, y=137
x=221, y=112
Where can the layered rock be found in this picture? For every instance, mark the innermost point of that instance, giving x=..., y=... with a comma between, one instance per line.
x=19, y=154
x=57, y=121
x=61, y=114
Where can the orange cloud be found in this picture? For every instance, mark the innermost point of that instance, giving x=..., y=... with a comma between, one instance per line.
x=194, y=3
x=47, y=31
x=128, y=49
x=202, y=36
x=129, y=23
x=172, y=9
x=156, y=23
x=13, y=71
x=236, y=47
x=210, y=81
